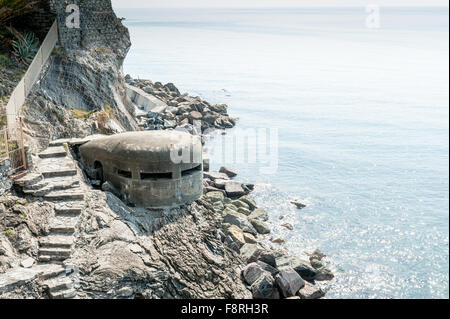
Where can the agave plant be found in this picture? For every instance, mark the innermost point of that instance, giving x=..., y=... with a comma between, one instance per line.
x=25, y=47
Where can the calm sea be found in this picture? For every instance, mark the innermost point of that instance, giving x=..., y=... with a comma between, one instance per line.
x=362, y=119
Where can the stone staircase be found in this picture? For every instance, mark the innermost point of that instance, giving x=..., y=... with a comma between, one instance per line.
x=56, y=180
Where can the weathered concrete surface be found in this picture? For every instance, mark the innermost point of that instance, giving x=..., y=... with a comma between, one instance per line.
x=140, y=165
x=145, y=101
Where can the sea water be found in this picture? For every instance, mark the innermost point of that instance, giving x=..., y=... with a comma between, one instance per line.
x=361, y=113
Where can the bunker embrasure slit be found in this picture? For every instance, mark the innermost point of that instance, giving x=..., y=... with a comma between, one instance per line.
x=122, y=173
x=155, y=176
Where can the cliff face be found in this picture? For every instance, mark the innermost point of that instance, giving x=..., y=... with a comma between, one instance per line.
x=81, y=91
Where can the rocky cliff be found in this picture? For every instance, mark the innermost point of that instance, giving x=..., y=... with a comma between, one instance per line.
x=82, y=79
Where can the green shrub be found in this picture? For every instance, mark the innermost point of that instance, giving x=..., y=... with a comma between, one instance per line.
x=9, y=232
x=5, y=62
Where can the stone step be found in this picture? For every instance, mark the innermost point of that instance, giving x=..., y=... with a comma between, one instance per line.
x=64, y=294
x=63, y=224
x=61, y=172
x=69, y=207
x=53, y=151
x=53, y=167
x=57, y=241
x=29, y=179
x=52, y=184
x=51, y=271
x=67, y=194
x=59, y=284
x=51, y=251
x=32, y=188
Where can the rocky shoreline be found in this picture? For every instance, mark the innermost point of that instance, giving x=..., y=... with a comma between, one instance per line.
x=268, y=273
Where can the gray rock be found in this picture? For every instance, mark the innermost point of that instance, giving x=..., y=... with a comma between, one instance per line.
x=125, y=292
x=244, y=211
x=260, y=226
x=230, y=173
x=215, y=196
x=215, y=175
x=289, y=282
x=250, y=202
x=298, y=204
x=259, y=214
x=249, y=238
x=273, y=271
x=288, y=226
x=234, y=189
x=315, y=263
x=264, y=288
x=252, y=272
x=270, y=256
x=303, y=268
x=240, y=221
x=27, y=263
x=310, y=291
x=239, y=203
x=220, y=183
x=236, y=235
x=317, y=254
x=323, y=274
x=250, y=253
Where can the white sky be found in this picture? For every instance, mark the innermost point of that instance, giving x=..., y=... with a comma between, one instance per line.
x=268, y=3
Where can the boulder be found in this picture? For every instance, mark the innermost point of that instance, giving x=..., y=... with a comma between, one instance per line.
x=273, y=271
x=209, y=189
x=220, y=183
x=240, y=204
x=250, y=252
x=239, y=220
x=244, y=211
x=270, y=256
x=260, y=226
x=315, y=263
x=195, y=115
x=278, y=240
x=215, y=196
x=230, y=173
x=323, y=274
x=172, y=88
x=317, y=254
x=249, y=238
x=310, y=291
x=259, y=214
x=288, y=226
x=250, y=202
x=298, y=204
x=234, y=189
x=289, y=282
x=264, y=288
x=236, y=234
x=215, y=175
x=252, y=272
x=27, y=263
x=303, y=268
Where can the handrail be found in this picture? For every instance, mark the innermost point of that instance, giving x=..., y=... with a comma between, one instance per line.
x=23, y=88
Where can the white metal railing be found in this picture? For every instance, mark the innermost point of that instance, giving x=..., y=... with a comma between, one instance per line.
x=20, y=93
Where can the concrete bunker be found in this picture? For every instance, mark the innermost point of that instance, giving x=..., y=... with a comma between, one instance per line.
x=149, y=168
